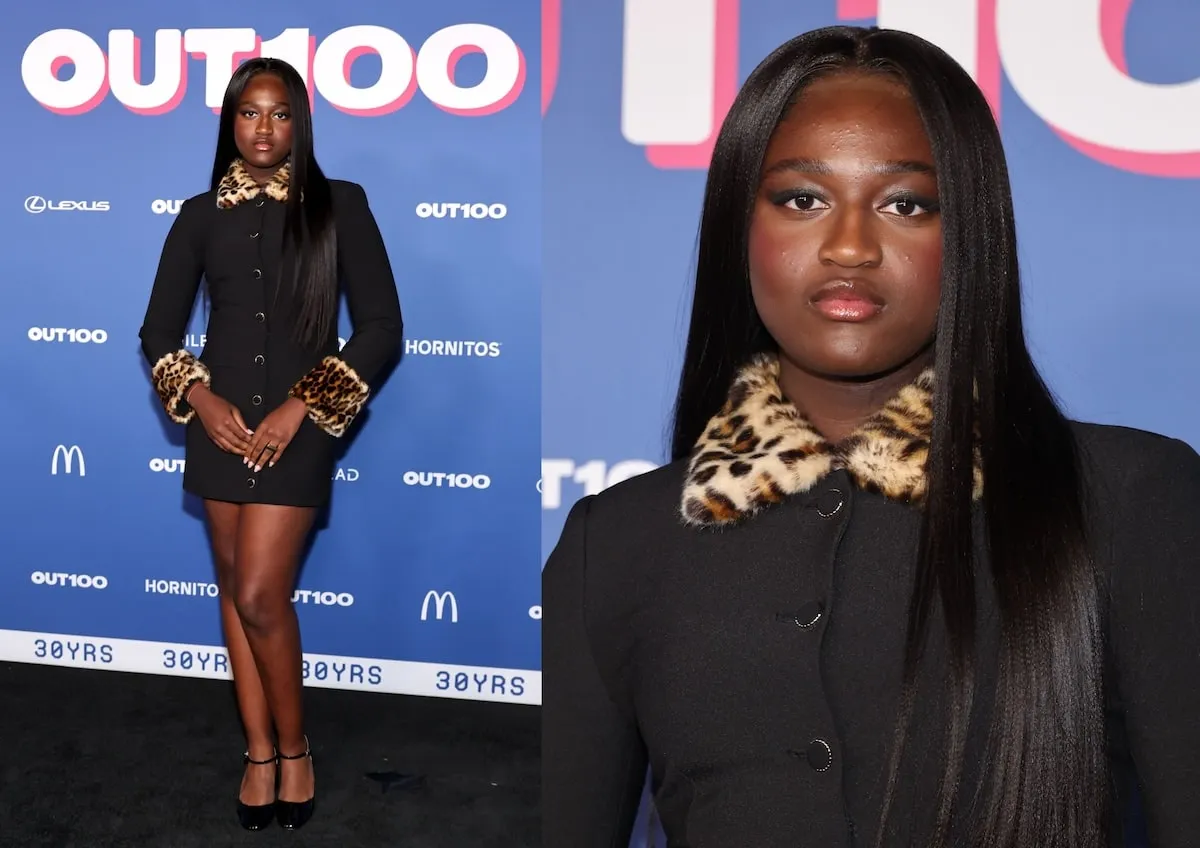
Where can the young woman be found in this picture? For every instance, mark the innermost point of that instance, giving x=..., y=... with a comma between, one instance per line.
x=885, y=594
x=270, y=395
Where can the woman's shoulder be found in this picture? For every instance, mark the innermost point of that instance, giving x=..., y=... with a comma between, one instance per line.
x=343, y=190
x=625, y=523
x=197, y=204
x=1142, y=485
x=194, y=217
x=613, y=547
x=348, y=200
x=650, y=498
x=1122, y=455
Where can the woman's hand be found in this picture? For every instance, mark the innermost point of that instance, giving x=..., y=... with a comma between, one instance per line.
x=274, y=434
x=221, y=420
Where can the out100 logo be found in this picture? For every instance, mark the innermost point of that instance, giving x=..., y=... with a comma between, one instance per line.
x=325, y=64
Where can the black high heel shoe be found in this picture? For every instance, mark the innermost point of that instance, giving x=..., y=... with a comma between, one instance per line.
x=257, y=817
x=293, y=815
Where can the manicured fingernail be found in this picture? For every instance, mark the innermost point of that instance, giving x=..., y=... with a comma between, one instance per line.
x=257, y=469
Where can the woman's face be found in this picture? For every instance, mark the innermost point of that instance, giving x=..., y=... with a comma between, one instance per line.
x=845, y=238
x=262, y=127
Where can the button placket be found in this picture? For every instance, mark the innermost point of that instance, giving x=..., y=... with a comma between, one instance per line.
x=259, y=316
x=833, y=504
x=827, y=504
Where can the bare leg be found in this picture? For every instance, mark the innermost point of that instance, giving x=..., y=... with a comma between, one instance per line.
x=258, y=781
x=269, y=543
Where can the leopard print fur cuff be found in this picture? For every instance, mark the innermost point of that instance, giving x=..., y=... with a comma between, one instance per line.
x=172, y=375
x=333, y=393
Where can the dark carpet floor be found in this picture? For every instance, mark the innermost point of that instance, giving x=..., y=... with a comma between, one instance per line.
x=101, y=759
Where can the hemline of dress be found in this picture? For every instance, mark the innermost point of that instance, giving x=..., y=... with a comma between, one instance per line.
x=251, y=498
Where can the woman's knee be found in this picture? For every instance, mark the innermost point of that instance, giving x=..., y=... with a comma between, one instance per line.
x=262, y=607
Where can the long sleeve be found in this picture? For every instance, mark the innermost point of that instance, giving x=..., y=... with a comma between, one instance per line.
x=336, y=390
x=593, y=758
x=173, y=368
x=1155, y=637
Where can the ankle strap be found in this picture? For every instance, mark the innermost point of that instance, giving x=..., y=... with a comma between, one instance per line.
x=274, y=759
x=307, y=753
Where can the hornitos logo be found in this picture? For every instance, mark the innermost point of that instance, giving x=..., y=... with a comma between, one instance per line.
x=406, y=69
x=74, y=581
x=166, y=207
x=461, y=210
x=440, y=479
x=69, y=335
x=322, y=599
x=69, y=456
x=440, y=600
x=594, y=475
x=446, y=347
x=192, y=588
x=35, y=204
x=1065, y=60
x=172, y=466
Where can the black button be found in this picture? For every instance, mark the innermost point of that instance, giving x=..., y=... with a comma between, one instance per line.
x=830, y=502
x=259, y=317
x=250, y=482
x=257, y=274
x=809, y=614
x=256, y=400
x=820, y=755
x=260, y=202
x=254, y=235
x=260, y=359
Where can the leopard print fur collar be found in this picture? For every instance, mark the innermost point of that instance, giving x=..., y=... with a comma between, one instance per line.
x=237, y=186
x=759, y=449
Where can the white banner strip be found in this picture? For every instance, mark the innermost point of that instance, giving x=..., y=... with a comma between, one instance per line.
x=472, y=683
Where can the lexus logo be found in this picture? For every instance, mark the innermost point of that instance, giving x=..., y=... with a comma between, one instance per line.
x=440, y=599
x=36, y=204
x=68, y=454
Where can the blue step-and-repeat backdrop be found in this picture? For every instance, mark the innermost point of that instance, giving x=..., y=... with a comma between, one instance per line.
x=1098, y=103
x=423, y=579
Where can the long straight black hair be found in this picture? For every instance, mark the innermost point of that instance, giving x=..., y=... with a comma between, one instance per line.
x=1045, y=781
x=309, y=223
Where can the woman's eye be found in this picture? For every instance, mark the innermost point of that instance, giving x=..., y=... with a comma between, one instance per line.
x=804, y=202
x=910, y=207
